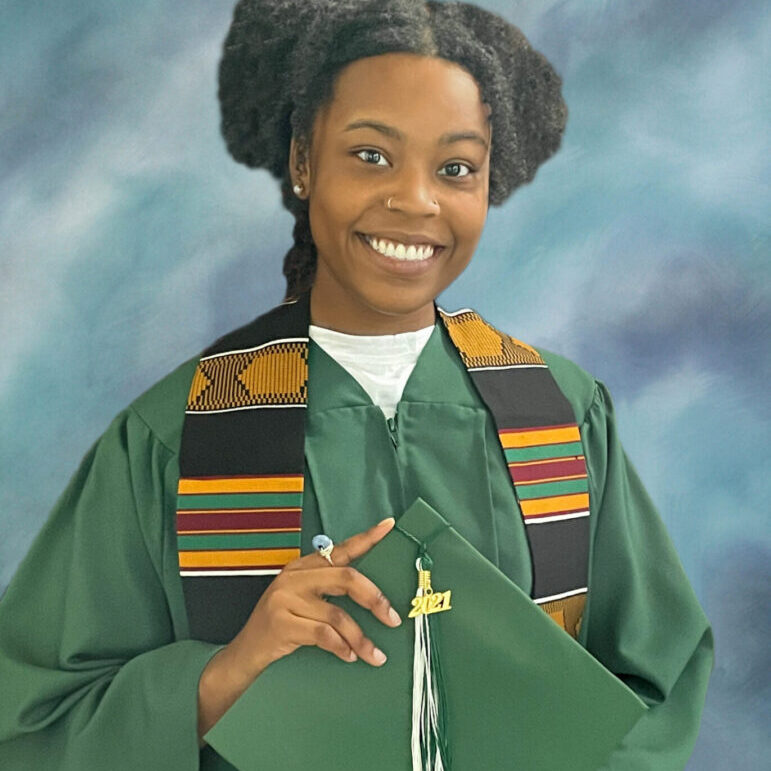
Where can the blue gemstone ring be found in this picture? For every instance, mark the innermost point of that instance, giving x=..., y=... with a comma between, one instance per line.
x=323, y=545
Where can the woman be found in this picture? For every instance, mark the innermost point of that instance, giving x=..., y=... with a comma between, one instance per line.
x=392, y=126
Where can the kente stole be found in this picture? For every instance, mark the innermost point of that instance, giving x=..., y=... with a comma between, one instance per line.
x=240, y=494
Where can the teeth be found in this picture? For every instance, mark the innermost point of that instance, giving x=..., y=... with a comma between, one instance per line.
x=400, y=251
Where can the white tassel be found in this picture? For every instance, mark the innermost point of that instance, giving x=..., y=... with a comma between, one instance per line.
x=418, y=668
x=425, y=708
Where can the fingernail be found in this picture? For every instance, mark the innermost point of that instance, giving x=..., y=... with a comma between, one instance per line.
x=352, y=656
x=387, y=519
x=394, y=616
x=380, y=657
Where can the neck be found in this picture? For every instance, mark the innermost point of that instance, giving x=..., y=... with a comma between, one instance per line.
x=342, y=315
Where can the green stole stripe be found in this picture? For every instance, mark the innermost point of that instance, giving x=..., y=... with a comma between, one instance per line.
x=540, y=452
x=237, y=541
x=240, y=501
x=543, y=489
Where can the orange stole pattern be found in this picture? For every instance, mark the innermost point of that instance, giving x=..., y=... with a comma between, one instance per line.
x=567, y=612
x=482, y=345
x=238, y=524
x=548, y=468
x=274, y=374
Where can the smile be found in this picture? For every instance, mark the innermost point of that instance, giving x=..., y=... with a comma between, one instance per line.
x=399, y=251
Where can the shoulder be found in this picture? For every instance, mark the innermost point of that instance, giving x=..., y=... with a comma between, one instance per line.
x=162, y=406
x=577, y=385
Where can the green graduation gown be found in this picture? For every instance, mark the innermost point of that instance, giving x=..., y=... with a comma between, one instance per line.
x=96, y=667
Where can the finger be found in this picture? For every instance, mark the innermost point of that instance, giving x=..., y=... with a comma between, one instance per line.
x=358, y=587
x=310, y=631
x=336, y=618
x=345, y=552
x=357, y=545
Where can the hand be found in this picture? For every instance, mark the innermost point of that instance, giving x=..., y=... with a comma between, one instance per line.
x=291, y=613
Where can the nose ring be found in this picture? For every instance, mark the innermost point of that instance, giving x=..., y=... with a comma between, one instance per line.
x=388, y=202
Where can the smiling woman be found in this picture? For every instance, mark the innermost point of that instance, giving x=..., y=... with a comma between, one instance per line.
x=173, y=613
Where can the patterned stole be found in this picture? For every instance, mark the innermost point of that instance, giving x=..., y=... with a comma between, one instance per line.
x=239, y=503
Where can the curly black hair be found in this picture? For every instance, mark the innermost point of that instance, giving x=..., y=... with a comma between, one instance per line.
x=279, y=63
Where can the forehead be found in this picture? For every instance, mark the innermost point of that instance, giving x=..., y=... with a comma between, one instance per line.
x=407, y=89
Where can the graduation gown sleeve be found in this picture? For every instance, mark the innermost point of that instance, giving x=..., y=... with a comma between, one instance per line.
x=94, y=667
x=642, y=620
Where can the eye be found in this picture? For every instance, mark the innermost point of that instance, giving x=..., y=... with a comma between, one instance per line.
x=460, y=166
x=370, y=152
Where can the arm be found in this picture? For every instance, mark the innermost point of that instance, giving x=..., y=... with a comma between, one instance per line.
x=643, y=620
x=93, y=672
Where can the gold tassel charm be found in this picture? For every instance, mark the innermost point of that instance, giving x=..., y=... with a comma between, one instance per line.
x=426, y=600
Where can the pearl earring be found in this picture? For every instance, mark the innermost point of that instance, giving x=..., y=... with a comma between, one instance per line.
x=297, y=189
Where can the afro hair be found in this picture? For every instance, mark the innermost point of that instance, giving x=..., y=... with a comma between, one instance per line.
x=281, y=57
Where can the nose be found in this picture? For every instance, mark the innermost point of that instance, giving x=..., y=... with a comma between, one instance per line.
x=414, y=192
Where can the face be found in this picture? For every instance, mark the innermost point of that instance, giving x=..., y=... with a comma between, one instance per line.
x=427, y=149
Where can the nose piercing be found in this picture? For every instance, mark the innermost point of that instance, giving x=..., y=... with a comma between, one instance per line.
x=388, y=203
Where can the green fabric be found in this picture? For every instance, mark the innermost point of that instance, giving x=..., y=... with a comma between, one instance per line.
x=94, y=661
x=94, y=667
x=516, y=684
x=448, y=452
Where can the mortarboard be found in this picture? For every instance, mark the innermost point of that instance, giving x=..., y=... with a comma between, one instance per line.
x=520, y=692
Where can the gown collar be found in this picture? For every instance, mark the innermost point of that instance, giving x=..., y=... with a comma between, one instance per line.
x=439, y=355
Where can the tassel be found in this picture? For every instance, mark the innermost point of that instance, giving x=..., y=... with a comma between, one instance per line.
x=430, y=749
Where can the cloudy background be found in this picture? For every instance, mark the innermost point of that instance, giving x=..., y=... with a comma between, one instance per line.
x=130, y=240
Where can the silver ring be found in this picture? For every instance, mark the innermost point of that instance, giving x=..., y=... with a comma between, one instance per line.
x=323, y=545
x=326, y=553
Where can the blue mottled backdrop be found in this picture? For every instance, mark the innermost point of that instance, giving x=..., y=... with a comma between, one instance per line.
x=641, y=250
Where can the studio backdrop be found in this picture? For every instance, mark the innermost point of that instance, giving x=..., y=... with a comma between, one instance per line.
x=130, y=240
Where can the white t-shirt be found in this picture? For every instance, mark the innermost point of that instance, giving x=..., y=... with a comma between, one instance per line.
x=380, y=363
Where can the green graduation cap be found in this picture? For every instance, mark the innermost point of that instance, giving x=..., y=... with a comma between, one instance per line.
x=518, y=691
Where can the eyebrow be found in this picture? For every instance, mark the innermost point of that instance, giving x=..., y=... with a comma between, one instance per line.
x=394, y=133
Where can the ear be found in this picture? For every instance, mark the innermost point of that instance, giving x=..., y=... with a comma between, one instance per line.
x=299, y=171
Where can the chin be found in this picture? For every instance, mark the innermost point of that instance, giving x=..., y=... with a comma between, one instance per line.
x=398, y=302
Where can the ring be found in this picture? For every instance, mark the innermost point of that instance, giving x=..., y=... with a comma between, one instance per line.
x=323, y=545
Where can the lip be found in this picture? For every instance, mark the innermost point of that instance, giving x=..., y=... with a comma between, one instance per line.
x=401, y=267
